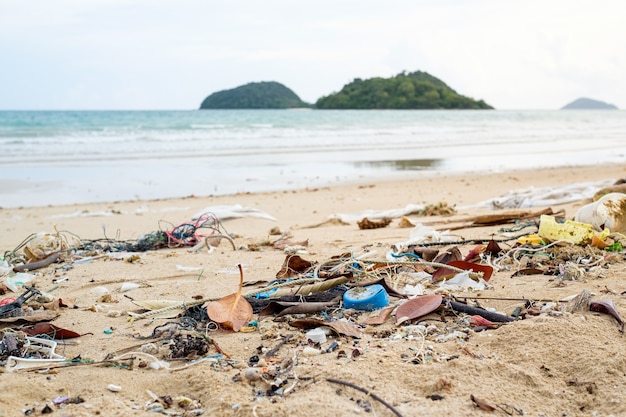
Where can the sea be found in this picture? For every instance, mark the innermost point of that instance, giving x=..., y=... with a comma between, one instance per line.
x=67, y=157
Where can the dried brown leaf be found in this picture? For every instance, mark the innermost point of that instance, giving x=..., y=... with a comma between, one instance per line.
x=382, y=316
x=493, y=248
x=293, y=266
x=452, y=254
x=418, y=307
x=607, y=307
x=47, y=329
x=443, y=273
x=345, y=328
x=232, y=311
x=341, y=327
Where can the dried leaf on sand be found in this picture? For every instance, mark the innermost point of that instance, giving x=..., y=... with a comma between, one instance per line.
x=232, y=311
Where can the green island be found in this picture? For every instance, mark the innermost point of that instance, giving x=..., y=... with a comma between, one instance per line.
x=259, y=95
x=416, y=90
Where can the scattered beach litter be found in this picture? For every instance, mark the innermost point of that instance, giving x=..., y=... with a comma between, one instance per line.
x=418, y=209
x=545, y=196
x=432, y=287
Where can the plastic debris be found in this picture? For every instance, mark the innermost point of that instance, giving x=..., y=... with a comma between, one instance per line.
x=609, y=212
x=367, y=298
x=35, y=353
x=569, y=231
x=114, y=388
x=317, y=335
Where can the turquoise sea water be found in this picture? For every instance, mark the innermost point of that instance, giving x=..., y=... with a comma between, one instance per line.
x=60, y=157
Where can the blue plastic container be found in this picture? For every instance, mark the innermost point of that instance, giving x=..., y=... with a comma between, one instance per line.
x=367, y=298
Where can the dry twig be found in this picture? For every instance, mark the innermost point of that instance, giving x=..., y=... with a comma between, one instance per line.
x=367, y=392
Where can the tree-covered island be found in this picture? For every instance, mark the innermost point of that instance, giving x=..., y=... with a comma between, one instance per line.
x=416, y=90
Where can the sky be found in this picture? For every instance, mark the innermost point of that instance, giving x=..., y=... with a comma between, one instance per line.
x=170, y=55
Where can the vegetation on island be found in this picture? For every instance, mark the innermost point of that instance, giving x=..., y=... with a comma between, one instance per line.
x=416, y=90
x=258, y=95
x=584, y=103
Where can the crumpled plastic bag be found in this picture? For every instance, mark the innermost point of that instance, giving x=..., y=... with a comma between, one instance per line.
x=419, y=234
x=463, y=282
x=44, y=244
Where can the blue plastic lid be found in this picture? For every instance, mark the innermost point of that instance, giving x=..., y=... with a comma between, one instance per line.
x=367, y=298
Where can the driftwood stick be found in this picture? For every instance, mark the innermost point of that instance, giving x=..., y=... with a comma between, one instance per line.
x=367, y=392
x=38, y=264
x=278, y=346
x=464, y=308
x=471, y=297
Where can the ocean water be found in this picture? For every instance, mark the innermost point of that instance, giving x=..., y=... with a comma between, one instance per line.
x=64, y=157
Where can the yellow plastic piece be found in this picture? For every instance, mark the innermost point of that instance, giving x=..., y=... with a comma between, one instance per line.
x=248, y=329
x=604, y=234
x=570, y=231
x=531, y=240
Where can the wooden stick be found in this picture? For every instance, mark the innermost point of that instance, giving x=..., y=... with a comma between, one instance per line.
x=278, y=346
x=464, y=308
x=367, y=392
x=38, y=264
x=311, y=288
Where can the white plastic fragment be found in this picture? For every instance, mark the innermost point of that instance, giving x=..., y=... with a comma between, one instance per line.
x=150, y=348
x=100, y=290
x=234, y=211
x=188, y=268
x=413, y=290
x=14, y=282
x=462, y=281
x=114, y=388
x=152, y=395
x=455, y=335
x=317, y=335
x=127, y=286
x=253, y=374
x=309, y=351
x=159, y=365
x=39, y=346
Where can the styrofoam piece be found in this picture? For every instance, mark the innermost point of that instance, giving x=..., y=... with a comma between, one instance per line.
x=317, y=335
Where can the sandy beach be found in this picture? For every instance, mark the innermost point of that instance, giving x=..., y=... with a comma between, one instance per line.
x=556, y=363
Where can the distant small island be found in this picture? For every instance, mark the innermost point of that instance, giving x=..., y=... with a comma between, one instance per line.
x=259, y=95
x=584, y=103
x=417, y=90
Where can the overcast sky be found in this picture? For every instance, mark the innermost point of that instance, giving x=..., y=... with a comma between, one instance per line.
x=165, y=54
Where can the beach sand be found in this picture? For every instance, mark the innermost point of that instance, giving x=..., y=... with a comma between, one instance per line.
x=564, y=364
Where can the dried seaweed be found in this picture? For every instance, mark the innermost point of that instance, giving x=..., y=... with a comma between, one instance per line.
x=366, y=223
